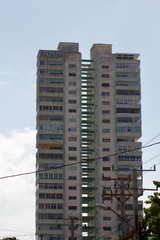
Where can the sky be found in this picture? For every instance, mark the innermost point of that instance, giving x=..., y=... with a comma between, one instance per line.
x=29, y=25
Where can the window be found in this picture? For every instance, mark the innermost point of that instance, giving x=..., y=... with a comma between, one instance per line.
x=128, y=207
x=107, y=198
x=72, y=110
x=56, y=72
x=72, y=83
x=105, y=130
x=127, y=74
x=50, y=99
x=72, y=92
x=50, y=156
x=72, y=138
x=105, y=93
x=50, y=80
x=72, y=207
x=124, y=75
x=50, y=176
x=51, y=136
x=50, y=216
x=106, y=149
x=72, y=101
x=72, y=129
x=105, y=139
x=56, y=237
x=50, y=127
x=50, y=227
x=50, y=206
x=72, y=149
x=72, y=158
x=127, y=147
x=129, y=158
x=106, y=169
x=56, y=108
x=105, y=120
x=50, y=118
x=104, y=75
x=123, y=65
x=107, y=228
x=128, y=101
x=128, y=92
x=106, y=159
x=105, y=102
x=42, y=195
x=72, y=177
x=128, y=83
x=72, y=65
x=48, y=53
x=106, y=218
x=105, y=66
x=51, y=90
x=129, y=110
x=72, y=187
x=48, y=62
x=72, y=197
x=124, y=169
x=59, y=206
x=105, y=84
x=50, y=108
x=72, y=74
x=105, y=111
x=129, y=129
x=72, y=119
x=128, y=120
x=50, y=195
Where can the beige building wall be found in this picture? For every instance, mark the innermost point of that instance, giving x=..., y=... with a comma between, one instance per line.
x=108, y=118
x=58, y=200
x=117, y=129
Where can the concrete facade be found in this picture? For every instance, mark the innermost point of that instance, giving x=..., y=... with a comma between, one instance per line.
x=88, y=131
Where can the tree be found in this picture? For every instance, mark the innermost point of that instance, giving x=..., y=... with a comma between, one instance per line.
x=9, y=238
x=150, y=222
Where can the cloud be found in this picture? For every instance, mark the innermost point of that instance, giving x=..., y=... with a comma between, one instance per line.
x=17, y=194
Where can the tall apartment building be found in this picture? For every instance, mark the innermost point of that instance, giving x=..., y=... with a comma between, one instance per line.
x=88, y=155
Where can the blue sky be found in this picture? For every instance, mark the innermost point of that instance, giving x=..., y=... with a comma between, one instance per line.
x=26, y=27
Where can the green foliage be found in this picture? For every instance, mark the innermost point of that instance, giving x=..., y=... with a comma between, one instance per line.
x=9, y=238
x=150, y=222
x=156, y=183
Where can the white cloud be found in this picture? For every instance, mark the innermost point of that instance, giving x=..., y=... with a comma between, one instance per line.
x=17, y=194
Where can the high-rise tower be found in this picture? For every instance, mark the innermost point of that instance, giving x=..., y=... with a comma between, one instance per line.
x=88, y=127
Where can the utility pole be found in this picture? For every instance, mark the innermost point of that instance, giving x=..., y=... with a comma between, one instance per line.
x=135, y=200
x=120, y=186
x=123, y=191
x=135, y=205
x=122, y=200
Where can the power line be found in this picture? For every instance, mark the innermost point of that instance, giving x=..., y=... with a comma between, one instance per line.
x=11, y=230
x=152, y=158
x=152, y=139
x=71, y=164
x=142, y=162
